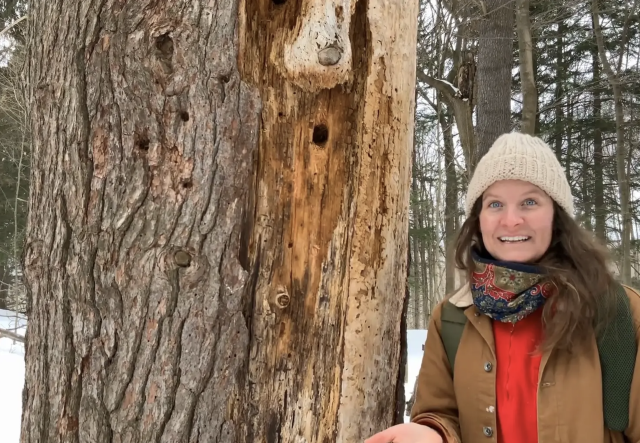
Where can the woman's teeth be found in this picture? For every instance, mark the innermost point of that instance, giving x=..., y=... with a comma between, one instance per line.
x=514, y=239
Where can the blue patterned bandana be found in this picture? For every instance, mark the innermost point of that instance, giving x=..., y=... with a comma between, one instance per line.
x=507, y=291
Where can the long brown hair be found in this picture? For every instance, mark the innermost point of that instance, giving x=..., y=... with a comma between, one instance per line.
x=576, y=264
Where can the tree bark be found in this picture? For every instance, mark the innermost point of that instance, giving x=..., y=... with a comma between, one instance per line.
x=495, y=59
x=527, y=73
x=216, y=241
x=621, y=155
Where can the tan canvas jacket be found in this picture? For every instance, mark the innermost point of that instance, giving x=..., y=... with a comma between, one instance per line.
x=463, y=408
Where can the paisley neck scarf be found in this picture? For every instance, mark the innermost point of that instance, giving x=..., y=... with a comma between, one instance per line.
x=507, y=291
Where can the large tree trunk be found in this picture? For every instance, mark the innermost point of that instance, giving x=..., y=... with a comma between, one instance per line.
x=495, y=60
x=527, y=73
x=216, y=245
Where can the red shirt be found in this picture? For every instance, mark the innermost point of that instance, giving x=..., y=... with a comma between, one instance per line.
x=517, y=369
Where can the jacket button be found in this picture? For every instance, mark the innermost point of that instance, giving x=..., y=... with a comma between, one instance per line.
x=488, y=366
x=488, y=431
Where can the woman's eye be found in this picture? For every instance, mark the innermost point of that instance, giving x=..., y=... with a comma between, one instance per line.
x=494, y=204
x=529, y=202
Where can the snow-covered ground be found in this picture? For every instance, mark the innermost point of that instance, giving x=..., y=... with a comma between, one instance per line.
x=12, y=372
x=415, y=341
x=11, y=377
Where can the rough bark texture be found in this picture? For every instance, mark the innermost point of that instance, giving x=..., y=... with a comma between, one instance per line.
x=527, y=74
x=495, y=58
x=216, y=246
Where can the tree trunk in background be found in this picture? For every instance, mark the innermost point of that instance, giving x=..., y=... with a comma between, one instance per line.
x=587, y=200
x=558, y=129
x=621, y=154
x=568, y=130
x=495, y=59
x=527, y=73
x=425, y=278
x=598, y=163
x=216, y=242
x=451, y=200
x=418, y=284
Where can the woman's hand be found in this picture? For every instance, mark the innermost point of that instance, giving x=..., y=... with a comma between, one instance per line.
x=406, y=433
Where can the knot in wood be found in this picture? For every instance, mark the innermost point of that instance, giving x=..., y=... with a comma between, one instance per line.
x=182, y=259
x=329, y=56
x=282, y=300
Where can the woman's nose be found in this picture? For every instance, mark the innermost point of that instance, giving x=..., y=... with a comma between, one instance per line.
x=511, y=218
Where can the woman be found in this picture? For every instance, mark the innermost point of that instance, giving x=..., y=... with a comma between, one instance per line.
x=528, y=363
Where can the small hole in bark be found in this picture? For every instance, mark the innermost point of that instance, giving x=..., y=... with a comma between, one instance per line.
x=188, y=184
x=279, y=2
x=320, y=134
x=164, y=44
x=142, y=144
x=280, y=114
x=225, y=79
x=291, y=245
x=184, y=116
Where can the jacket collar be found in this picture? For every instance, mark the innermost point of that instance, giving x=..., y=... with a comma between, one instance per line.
x=462, y=298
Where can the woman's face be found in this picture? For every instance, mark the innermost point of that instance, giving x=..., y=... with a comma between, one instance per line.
x=516, y=221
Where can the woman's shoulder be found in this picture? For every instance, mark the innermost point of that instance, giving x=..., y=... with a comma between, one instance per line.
x=458, y=299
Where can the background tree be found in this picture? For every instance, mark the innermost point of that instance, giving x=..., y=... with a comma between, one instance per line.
x=495, y=62
x=575, y=112
x=14, y=164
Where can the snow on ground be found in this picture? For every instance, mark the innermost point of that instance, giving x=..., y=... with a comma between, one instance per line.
x=415, y=341
x=12, y=372
x=11, y=376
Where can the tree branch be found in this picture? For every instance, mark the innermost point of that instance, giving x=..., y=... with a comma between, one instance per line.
x=447, y=89
x=14, y=23
x=11, y=335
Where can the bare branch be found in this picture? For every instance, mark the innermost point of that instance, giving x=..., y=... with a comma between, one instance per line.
x=447, y=89
x=12, y=335
x=10, y=26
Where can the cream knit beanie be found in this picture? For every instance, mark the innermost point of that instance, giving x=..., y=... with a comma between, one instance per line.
x=516, y=156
